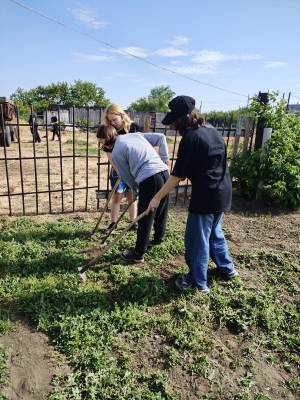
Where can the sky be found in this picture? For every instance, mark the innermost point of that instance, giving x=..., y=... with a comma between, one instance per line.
x=216, y=51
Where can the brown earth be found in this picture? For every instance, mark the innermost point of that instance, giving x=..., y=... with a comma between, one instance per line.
x=57, y=170
x=249, y=226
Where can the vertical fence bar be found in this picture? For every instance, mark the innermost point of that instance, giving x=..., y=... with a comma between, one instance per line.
x=251, y=136
x=48, y=164
x=229, y=129
x=61, y=164
x=173, y=155
x=236, y=139
x=154, y=129
x=224, y=123
x=20, y=160
x=34, y=162
x=74, y=163
x=5, y=157
x=87, y=160
x=99, y=160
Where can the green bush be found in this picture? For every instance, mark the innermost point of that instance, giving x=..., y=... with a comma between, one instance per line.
x=272, y=172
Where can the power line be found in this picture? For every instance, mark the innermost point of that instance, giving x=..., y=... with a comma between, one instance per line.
x=123, y=51
x=295, y=96
x=223, y=102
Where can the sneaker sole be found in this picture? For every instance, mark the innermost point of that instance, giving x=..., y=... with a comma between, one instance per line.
x=185, y=289
x=135, y=261
x=233, y=276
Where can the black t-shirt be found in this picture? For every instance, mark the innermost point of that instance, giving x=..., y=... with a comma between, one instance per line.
x=133, y=128
x=53, y=119
x=202, y=158
x=35, y=119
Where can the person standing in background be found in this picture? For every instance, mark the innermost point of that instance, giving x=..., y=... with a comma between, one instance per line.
x=54, y=123
x=33, y=123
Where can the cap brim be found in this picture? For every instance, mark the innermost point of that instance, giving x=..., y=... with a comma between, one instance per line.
x=169, y=118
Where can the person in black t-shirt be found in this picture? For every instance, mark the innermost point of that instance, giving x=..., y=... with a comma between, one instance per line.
x=33, y=123
x=116, y=117
x=202, y=158
x=54, y=123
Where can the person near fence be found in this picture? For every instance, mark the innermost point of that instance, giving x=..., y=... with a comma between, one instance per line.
x=33, y=123
x=54, y=123
x=202, y=158
x=145, y=173
x=116, y=117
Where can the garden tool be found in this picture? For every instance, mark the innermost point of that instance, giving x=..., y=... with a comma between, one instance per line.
x=103, y=251
x=105, y=208
x=116, y=223
x=103, y=242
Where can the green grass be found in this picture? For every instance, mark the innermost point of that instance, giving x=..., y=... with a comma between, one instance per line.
x=105, y=325
x=80, y=146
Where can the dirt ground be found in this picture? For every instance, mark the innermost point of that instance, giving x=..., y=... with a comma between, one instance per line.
x=56, y=167
x=250, y=226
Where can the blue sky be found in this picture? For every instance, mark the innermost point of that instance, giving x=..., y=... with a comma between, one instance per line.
x=241, y=46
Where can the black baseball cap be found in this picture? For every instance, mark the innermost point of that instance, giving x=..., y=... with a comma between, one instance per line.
x=180, y=105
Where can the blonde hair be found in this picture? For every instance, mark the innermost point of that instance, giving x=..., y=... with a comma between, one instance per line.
x=117, y=110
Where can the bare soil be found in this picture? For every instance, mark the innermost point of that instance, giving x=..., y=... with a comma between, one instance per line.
x=56, y=166
x=32, y=362
x=250, y=226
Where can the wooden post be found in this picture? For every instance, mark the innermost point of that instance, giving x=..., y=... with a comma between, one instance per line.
x=247, y=135
x=147, y=123
x=236, y=139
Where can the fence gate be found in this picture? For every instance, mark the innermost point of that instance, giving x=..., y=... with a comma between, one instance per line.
x=71, y=174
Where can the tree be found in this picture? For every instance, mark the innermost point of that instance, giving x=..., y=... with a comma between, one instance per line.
x=87, y=94
x=157, y=100
x=221, y=117
x=80, y=94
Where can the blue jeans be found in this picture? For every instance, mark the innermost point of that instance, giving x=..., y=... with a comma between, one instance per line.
x=204, y=238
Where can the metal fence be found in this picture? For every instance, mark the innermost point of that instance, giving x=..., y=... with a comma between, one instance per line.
x=71, y=175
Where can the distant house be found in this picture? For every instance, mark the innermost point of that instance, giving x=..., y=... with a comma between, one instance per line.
x=293, y=108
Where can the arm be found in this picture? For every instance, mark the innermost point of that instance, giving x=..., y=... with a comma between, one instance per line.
x=168, y=186
x=121, y=161
x=158, y=139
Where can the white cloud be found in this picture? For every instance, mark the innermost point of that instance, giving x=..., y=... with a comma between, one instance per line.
x=208, y=56
x=178, y=41
x=87, y=17
x=91, y=57
x=212, y=56
x=274, y=64
x=136, y=51
x=171, y=52
x=197, y=69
